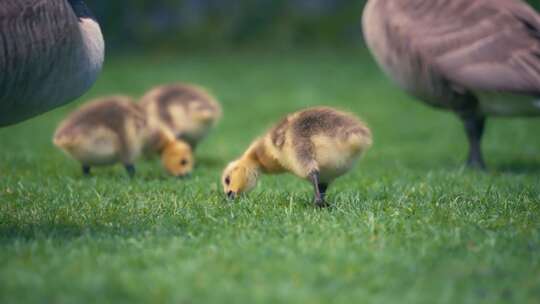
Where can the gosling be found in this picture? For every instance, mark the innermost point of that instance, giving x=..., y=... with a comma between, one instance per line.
x=318, y=144
x=187, y=110
x=115, y=130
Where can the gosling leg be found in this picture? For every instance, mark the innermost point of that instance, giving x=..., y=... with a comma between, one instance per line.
x=86, y=170
x=320, y=190
x=130, y=168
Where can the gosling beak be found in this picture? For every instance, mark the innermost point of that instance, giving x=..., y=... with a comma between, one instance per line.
x=231, y=195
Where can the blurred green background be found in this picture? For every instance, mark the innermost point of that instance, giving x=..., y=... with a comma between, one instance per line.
x=409, y=225
x=188, y=24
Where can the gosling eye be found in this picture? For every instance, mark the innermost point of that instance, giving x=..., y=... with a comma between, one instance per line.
x=227, y=180
x=184, y=162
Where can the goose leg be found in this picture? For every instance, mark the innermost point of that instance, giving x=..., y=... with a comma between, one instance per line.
x=130, y=170
x=474, y=127
x=320, y=190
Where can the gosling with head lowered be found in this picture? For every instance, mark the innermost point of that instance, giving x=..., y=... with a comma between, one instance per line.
x=115, y=130
x=189, y=111
x=318, y=144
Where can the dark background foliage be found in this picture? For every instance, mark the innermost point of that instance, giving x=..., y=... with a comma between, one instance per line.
x=203, y=23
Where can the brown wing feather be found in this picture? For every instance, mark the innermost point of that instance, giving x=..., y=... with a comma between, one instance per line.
x=488, y=45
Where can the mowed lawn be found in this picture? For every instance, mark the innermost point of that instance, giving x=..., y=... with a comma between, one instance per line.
x=408, y=224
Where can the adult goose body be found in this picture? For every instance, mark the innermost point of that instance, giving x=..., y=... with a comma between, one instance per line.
x=51, y=52
x=477, y=58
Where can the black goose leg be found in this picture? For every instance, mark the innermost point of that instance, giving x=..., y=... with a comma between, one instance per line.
x=130, y=170
x=320, y=190
x=86, y=170
x=474, y=127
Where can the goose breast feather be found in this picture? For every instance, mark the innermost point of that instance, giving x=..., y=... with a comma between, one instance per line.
x=51, y=52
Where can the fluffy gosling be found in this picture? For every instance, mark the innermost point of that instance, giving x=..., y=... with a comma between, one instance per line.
x=115, y=130
x=318, y=144
x=187, y=110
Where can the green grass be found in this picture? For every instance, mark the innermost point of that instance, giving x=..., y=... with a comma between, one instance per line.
x=409, y=224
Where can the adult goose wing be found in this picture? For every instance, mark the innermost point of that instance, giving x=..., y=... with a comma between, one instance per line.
x=481, y=45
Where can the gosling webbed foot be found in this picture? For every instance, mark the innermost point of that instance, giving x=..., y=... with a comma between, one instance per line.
x=321, y=203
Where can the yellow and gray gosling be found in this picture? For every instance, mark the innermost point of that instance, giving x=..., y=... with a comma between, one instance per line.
x=115, y=130
x=318, y=144
x=187, y=110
